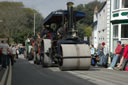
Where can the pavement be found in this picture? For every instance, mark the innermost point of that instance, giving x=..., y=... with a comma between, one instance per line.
x=26, y=73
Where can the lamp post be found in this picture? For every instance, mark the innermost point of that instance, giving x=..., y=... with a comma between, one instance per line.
x=34, y=24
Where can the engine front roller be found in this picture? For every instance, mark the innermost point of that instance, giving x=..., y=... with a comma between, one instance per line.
x=75, y=57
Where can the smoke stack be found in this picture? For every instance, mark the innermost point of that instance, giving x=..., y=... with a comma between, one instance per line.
x=70, y=14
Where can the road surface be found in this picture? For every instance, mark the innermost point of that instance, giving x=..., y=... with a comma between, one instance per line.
x=27, y=73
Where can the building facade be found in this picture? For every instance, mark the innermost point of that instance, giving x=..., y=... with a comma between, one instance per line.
x=101, y=25
x=111, y=23
x=119, y=21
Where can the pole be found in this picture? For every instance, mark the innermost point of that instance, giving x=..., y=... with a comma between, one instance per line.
x=34, y=24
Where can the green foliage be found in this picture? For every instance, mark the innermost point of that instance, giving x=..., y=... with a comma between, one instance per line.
x=85, y=23
x=18, y=21
x=21, y=37
x=88, y=31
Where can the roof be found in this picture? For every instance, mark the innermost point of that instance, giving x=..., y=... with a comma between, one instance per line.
x=102, y=6
x=95, y=23
x=56, y=16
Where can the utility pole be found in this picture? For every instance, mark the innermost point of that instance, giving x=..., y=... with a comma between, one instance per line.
x=34, y=24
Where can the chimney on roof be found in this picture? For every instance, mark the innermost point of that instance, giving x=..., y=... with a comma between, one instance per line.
x=95, y=10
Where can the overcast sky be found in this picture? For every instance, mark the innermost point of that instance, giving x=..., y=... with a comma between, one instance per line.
x=46, y=6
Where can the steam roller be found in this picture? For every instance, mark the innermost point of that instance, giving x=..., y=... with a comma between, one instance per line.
x=75, y=57
x=62, y=46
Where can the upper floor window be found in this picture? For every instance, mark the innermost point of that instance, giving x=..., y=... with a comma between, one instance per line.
x=116, y=4
x=124, y=3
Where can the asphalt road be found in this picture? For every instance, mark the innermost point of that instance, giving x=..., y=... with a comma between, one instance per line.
x=27, y=73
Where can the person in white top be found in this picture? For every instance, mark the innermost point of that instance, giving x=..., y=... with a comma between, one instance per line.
x=14, y=52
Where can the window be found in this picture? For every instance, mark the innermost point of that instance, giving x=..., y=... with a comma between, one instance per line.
x=124, y=31
x=114, y=44
x=124, y=3
x=116, y=4
x=115, y=31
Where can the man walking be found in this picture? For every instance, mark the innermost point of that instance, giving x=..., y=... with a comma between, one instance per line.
x=5, y=50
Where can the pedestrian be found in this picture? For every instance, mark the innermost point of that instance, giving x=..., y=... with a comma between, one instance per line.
x=14, y=53
x=101, y=54
x=11, y=54
x=17, y=53
x=92, y=49
x=35, y=50
x=5, y=50
x=105, y=54
x=98, y=49
x=116, y=55
x=125, y=57
x=121, y=56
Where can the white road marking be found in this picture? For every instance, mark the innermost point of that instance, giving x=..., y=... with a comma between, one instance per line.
x=21, y=56
x=55, y=69
x=100, y=78
x=31, y=62
x=4, y=77
x=91, y=79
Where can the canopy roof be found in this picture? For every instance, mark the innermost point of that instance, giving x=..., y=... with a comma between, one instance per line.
x=56, y=16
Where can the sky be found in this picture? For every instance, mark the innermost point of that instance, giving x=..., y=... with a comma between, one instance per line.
x=47, y=6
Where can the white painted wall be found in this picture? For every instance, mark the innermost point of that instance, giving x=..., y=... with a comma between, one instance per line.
x=102, y=25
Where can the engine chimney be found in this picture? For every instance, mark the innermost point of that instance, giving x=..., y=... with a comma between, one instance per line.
x=70, y=15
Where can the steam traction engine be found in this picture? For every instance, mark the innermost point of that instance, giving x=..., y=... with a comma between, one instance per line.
x=64, y=48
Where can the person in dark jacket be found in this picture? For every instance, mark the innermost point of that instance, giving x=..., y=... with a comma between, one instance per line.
x=44, y=32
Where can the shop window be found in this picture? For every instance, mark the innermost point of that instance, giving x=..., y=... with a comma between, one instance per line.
x=124, y=31
x=116, y=4
x=115, y=31
x=124, y=3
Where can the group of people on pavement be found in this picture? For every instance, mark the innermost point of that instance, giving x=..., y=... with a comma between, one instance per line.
x=34, y=45
x=119, y=60
x=7, y=53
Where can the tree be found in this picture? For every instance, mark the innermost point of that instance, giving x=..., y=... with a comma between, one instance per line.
x=85, y=23
x=17, y=21
x=88, y=31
